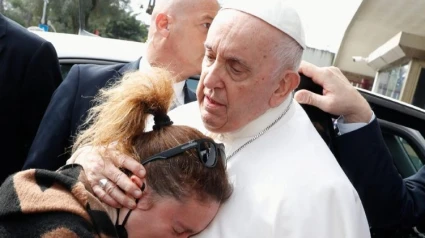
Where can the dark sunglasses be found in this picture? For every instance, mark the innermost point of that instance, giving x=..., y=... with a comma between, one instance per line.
x=208, y=152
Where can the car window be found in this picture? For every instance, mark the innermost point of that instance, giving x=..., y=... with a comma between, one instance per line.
x=412, y=155
x=65, y=68
x=66, y=64
x=406, y=145
x=192, y=84
x=400, y=157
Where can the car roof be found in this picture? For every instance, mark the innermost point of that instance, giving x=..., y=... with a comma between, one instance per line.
x=391, y=101
x=69, y=46
x=396, y=111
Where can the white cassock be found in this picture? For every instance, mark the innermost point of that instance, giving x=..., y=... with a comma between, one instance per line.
x=286, y=183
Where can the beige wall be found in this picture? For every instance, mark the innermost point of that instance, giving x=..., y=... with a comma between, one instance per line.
x=409, y=88
x=321, y=58
x=357, y=79
x=374, y=23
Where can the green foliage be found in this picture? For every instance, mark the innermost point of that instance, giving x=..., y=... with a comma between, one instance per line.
x=24, y=12
x=111, y=18
x=126, y=27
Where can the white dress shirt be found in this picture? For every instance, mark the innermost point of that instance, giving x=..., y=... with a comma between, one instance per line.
x=179, y=94
x=344, y=128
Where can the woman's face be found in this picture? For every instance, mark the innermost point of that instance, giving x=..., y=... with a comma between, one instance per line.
x=167, y=217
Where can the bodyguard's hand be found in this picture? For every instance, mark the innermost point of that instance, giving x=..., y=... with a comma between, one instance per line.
x=339, y=96
x=108, y=182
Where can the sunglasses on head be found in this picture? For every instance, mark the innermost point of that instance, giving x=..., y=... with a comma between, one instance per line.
x=208, y=152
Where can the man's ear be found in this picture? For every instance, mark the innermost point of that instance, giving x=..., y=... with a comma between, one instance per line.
x=162, y=22
x=145, y=202
x=288, y=82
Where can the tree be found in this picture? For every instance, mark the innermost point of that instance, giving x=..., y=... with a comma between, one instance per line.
x=25, y=12
x=94, y=12
x=64, y=14
x=126, y=27
x=112, y=18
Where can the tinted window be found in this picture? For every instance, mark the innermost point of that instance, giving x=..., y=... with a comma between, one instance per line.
x=65, y=69
x=413, y=157
x=419, y=98
x=192, y=84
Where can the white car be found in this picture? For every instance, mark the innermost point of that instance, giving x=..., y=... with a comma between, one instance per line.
x=79, y=49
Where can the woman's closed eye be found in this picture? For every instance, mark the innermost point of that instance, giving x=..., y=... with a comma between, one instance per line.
x=178, y=231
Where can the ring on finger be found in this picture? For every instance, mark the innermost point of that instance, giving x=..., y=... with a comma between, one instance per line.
x=103, y=182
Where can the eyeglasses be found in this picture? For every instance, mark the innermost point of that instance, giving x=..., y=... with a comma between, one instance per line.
x=208, y=152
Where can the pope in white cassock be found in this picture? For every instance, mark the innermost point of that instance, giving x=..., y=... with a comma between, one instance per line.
x=286, y=181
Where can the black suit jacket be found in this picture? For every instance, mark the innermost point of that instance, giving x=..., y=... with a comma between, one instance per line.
x=29, y=74
x=389, y=201
x=68, y=109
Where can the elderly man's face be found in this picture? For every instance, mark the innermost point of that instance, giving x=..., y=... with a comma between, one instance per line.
x=237, y=79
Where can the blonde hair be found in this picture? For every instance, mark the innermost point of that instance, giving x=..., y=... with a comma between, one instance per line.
x=121, y=110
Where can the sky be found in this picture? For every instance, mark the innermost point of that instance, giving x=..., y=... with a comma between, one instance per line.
x=324, y=21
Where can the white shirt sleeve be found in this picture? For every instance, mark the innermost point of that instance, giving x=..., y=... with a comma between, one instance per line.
x=349, y=127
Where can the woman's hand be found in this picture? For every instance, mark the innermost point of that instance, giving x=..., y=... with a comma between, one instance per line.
x=102, y=163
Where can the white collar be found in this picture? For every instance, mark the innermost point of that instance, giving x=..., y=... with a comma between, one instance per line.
x=144, y=64
x=254, y=127
x=178, y=90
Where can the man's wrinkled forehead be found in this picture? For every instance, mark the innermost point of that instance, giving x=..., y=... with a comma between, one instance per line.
x=238, y=35
x=191, y=7
x=240, y=25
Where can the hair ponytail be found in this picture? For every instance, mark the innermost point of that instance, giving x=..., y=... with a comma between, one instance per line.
x=121, y=110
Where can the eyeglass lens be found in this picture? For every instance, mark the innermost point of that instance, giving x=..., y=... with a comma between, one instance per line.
x=207, y=153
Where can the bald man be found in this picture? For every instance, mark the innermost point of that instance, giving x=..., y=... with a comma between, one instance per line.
x=175, y=41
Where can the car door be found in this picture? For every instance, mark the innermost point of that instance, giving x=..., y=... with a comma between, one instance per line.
x=67, y=63
x=406, y=145
x=403, y=129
